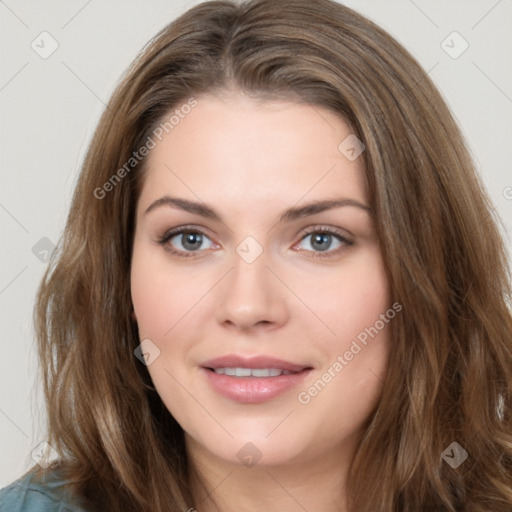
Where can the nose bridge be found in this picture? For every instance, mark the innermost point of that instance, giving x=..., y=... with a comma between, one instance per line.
x=249, y=281
x=251, y=294
x=250, y=265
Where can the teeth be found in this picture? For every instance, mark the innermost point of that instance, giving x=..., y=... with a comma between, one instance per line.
x=252, y=372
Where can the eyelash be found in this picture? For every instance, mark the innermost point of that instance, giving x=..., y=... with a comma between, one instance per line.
x=313, y=230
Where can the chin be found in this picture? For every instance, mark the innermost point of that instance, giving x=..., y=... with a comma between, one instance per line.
x=253, y=446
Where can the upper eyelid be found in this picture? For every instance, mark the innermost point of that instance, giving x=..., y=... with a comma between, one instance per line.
x=201, y=229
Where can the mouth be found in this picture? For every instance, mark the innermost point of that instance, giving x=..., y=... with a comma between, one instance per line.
x=253, y=380
x=239, y=366
x=251, y=372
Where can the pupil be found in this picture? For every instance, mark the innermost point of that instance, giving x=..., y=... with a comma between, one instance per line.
x=191, y=239
x=321, y=238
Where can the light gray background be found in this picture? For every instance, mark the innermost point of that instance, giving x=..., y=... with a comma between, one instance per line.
x=49, y=108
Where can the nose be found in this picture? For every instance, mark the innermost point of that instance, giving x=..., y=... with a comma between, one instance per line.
x=252, y=296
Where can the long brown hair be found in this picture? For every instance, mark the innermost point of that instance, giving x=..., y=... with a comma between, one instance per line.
x=450, y=369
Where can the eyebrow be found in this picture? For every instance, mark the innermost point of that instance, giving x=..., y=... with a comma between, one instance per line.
x=288, y=215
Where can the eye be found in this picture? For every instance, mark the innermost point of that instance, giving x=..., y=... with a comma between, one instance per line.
x=187, y=241
x=321, y=241
x=184, y=241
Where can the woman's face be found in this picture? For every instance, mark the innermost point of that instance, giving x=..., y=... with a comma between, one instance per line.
x=251, y=274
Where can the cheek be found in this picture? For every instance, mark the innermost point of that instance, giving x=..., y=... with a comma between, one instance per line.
x=159, y=296
x=352, y=298
x=342, y=397
x=160, y=300
x=357, y=308
x=146, y=296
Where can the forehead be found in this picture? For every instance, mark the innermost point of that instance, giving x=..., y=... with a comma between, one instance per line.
x=238, y=150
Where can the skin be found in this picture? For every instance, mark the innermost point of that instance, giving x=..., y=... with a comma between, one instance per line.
x=250, y=160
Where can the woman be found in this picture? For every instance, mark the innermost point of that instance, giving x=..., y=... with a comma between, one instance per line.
x=333, y=332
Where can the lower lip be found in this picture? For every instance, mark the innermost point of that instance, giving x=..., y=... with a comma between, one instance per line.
x=253, y=390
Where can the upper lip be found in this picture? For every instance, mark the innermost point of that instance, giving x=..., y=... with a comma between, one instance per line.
x=235, y=361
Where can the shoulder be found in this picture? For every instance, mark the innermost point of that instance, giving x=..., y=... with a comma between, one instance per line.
x=30, y=494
